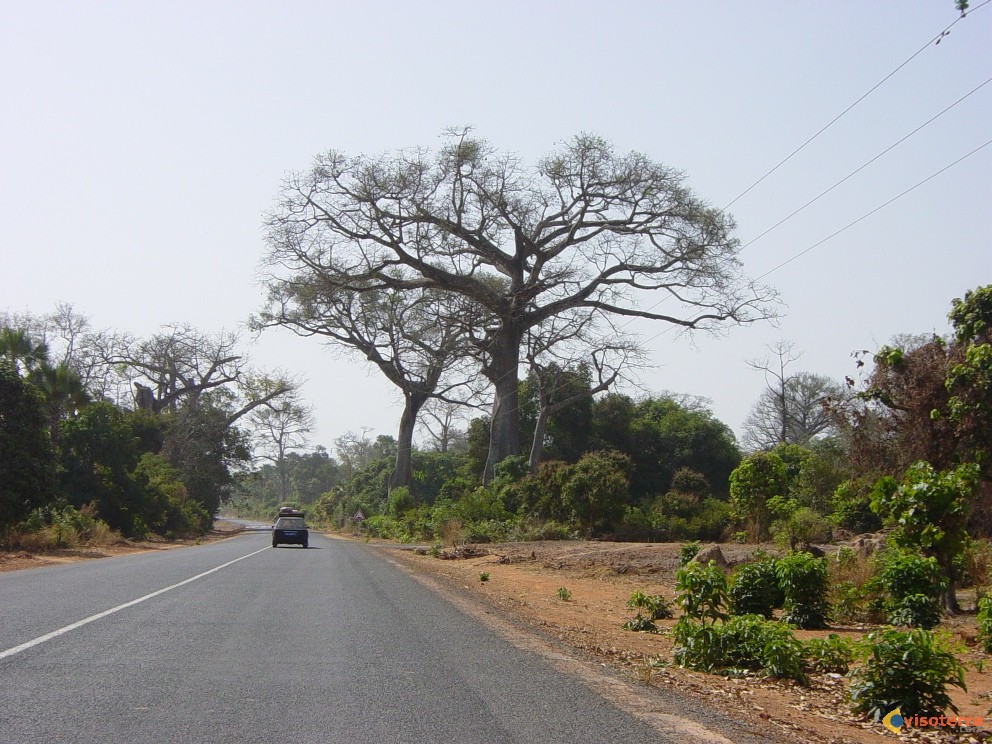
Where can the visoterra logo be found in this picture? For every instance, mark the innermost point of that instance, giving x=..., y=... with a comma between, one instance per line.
x=894, y=721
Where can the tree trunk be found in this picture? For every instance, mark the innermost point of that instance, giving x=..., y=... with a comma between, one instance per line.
x=949, y=599
x=537, y=446
x=403, y=467
x=503, y=372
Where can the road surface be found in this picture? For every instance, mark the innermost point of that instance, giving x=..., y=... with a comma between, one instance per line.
x=238, y=642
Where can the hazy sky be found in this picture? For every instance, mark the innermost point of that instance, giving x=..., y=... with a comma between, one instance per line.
x=141, y=144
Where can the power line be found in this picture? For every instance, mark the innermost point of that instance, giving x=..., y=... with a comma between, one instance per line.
x=876, y=209
x=935, y=40
x=843, y=229
x=861, y=168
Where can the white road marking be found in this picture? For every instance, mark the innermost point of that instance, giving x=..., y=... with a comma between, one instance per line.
x=100, y=615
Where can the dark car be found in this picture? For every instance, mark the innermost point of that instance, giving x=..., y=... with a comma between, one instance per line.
x=290, y=531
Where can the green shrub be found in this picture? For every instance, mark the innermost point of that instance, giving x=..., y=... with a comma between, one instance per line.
x=914, y=585
x=755, y=590
x=830, y=654
x=916, y=611
x=701, y=591
x=641, y=624
x=688, y=551
x=655, y=606
x=801, y=528
x=906, y=669
x=852, y=511
x=805, y=583
x=742, y=643
x=854, y=603
x=985, y=623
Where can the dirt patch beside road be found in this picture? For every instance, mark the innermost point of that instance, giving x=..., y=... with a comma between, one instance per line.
x=523, y=585
x=17, y=560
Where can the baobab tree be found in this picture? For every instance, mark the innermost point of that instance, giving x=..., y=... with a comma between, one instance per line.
x=619, y=235
x=408, y=335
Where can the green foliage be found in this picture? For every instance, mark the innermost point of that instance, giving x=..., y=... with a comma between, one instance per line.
x=564, y=594
x=99, y=454
x=928, y=511
x=687, y=551
x=597, y=488
x=757, y=479
x=755, y=590
x=831, y=654
x=801, y=528
x=701, y=592
x=916, y=611
x=484, y=577
x=399, y=501
x=27, y=462
x=744, y=642
x=166, y=507
x=914, y=585
x=655, y=606
x=906, y=669
x=805, y=584
x=663, y=436
x=851, y=508
x=640, y=624
x=985, y=623
x=969, y=376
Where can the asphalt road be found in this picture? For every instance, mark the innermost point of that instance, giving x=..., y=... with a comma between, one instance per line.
x=238, y=642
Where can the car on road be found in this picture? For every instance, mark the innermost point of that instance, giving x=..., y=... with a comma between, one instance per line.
x=290, y=531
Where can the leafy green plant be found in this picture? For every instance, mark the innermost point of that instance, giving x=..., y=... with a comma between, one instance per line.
x=985, y=623
x=906, y=669
x=742, y=643
x=655, y=606
x=564, y=594
x=484, y=576
x=830, y=654
x=641, y=624
x=806, y=584
x=754, y=589
x=688, y=551
x=701, y=591
x=914, y=585
x=928, y=511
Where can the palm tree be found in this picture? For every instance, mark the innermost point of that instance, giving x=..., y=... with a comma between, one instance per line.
x=17, y=346
x=63, y=391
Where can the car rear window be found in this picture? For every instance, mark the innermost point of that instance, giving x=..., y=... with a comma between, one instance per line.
x=290, y=523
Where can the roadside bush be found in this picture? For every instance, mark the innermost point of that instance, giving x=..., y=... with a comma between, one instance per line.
x=914, y=585
x=985, y=623
x=655, y=606
x=916, y=611
x=701, y=591
x=687, y=551
x=830, y=654
x=754, y=589
x=851, y=502
x=906, y=669
x=805, y=583
x=743, y=643
x=800, y=529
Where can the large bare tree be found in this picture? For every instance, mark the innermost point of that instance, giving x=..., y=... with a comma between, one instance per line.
x=585, y=228
x=793, y=407
x=408, y=334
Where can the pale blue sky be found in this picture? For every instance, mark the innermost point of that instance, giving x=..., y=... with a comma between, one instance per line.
x=141, y=143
